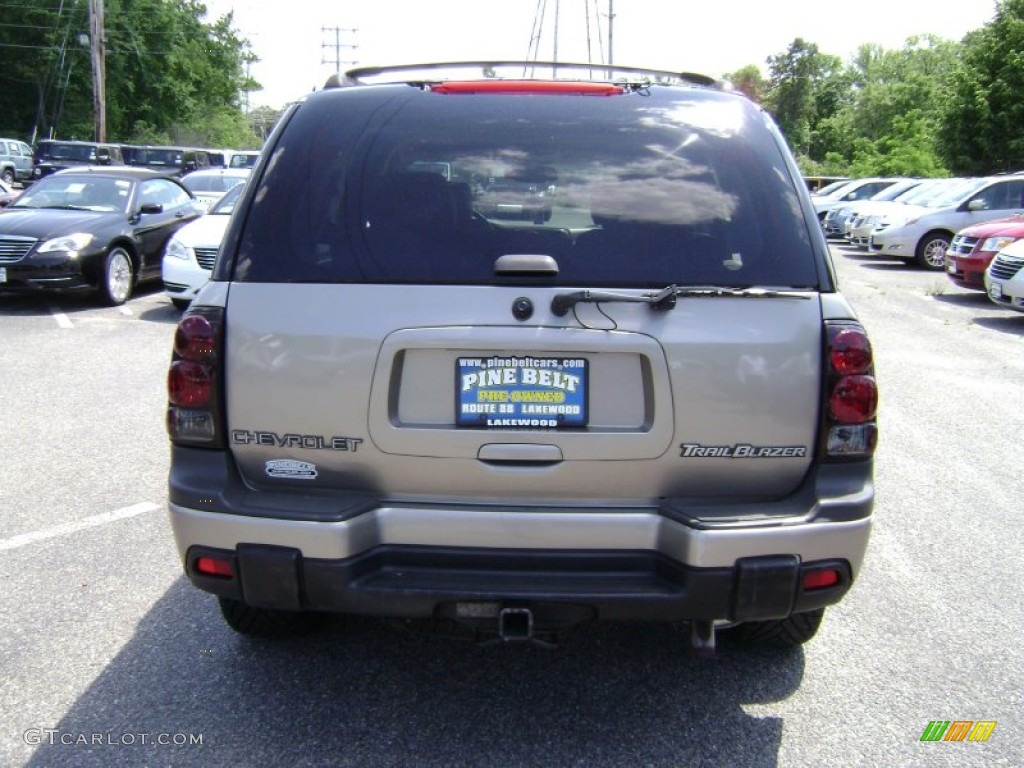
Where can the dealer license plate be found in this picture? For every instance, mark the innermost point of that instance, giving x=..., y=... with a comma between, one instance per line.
x=521, y=392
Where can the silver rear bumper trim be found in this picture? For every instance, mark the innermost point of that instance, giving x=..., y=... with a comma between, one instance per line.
x=564, y=530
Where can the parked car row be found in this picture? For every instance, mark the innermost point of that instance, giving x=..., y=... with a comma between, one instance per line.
x=838, y=216
x=973, y=228
x=847, y=192
x=99, y=229
x=20, y=163
x=918, y=224
x=106, y=229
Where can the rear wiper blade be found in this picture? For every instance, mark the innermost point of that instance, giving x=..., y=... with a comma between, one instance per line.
x=666, y=297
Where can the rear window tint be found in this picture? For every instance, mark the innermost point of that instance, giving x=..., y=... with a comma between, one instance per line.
x=397, y=185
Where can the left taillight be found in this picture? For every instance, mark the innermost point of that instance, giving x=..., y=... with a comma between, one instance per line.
x=194, y=390
x=851, y=392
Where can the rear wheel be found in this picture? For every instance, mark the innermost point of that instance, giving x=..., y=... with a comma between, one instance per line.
x=7, y=176
x=789, y=632
x=931, y=251
x=116, y=284
x=266, y=622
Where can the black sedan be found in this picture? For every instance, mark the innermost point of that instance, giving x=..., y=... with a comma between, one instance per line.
x=101, y=229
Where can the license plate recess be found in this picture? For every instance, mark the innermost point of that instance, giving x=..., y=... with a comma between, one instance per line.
x=521, y=392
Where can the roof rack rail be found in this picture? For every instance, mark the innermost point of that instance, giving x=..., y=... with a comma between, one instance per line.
x=489, y=70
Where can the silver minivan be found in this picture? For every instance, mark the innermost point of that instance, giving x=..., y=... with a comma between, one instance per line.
x=396, y=399
x=15, y=161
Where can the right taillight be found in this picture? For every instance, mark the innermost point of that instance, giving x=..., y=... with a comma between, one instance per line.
x=193, y=381
x=851, y=392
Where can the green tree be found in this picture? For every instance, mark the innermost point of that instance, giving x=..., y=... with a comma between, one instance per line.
x=907, y=150
x=261, y=122
x=750, y=82
x=169, y=73
x=880, y=112
x=980, y=131
x=897, y=89
x=41, y=60
x=170, y=69
x=791, y=91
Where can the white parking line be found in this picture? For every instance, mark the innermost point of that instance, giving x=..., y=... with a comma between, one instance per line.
x=62, y=320
x=89, y=522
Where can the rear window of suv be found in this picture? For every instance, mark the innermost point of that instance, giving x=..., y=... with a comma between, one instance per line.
x=398, y=184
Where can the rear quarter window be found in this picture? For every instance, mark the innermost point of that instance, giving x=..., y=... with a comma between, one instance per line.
x=393, y=184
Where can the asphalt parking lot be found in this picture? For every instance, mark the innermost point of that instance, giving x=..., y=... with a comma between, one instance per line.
x=111, y=658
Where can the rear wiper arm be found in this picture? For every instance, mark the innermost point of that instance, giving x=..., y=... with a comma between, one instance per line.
x=563, y=302
x=666, y=297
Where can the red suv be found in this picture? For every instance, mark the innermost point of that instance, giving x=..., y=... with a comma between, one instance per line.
x=974, y=247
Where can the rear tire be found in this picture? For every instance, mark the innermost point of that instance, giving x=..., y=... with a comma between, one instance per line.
x=790, y=632
x=266, y=622
x=931, y=251
x=8, y=177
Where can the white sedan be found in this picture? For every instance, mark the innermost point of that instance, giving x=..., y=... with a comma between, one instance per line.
x=1004, y=277
x=192, y=251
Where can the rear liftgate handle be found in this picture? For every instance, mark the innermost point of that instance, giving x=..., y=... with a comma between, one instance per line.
x=520, y=453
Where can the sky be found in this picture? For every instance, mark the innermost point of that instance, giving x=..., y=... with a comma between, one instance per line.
x=298, y=41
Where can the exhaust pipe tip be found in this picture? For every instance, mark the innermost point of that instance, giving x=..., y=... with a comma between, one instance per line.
x=702, y=639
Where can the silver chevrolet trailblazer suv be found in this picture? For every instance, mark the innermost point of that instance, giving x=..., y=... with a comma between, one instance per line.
x=624, y=387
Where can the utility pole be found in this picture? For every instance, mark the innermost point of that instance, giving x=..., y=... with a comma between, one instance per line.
x=554, y=44
x=98, y=55
x=337, y=46
x=611, y=26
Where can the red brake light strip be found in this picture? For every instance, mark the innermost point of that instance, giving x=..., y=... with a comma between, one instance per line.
x=528, y=86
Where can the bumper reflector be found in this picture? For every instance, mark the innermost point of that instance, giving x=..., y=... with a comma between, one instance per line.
x=821, y=579
x=211, y=566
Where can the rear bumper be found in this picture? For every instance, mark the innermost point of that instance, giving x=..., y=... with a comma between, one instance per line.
x=561, y=587
x=667, y=561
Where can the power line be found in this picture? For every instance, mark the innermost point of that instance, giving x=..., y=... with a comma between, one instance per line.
x=32, y=47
